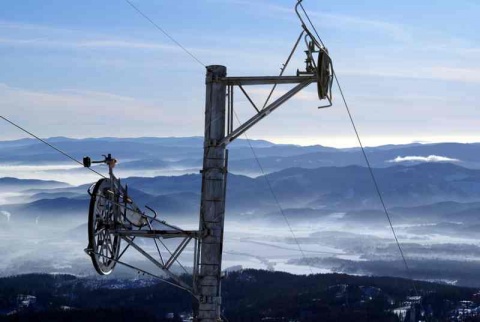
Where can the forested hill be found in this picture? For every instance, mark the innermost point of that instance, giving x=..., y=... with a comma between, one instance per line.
x=248, y=295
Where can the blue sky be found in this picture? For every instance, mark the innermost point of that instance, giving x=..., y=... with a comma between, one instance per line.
x=410, y=69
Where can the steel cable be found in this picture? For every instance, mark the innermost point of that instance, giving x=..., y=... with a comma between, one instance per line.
x=367, y=161
x=50, y=145
x=165, y=33
x=375, y=182
x=280, y=208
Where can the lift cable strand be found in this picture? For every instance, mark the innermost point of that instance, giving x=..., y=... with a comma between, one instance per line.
x=165, y=33
x=375, y=183
x=311, y=24
x=280, y=208
x=367, y=161
x=80, y=163
x=50, y=145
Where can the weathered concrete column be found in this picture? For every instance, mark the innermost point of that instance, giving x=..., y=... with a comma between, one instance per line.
x=212, y=208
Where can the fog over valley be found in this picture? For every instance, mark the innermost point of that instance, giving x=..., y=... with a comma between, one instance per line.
x=326, y=194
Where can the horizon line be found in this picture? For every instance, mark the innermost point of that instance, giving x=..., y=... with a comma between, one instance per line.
x=335, y=142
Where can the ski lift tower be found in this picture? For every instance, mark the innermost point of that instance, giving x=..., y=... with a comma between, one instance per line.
x=219, y=132
x=114, y=217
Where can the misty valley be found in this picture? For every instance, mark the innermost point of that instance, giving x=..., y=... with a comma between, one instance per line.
x=431, y=190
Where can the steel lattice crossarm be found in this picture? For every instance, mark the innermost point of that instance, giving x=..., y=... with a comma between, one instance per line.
x=266, y=80
x=156, y=233
x=232, y=134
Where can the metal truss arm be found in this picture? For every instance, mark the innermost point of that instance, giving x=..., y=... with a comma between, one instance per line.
x=267, y=110
x=147, y=273
x=158, y=264
x=267, y=80
x=249, y=99
x=282, y=69
x=177, y=252
x=159, y=233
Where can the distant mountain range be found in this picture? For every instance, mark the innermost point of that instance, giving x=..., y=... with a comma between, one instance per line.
x=432, y=192
x=186, y=153
x=435, y=191
x=13, y=184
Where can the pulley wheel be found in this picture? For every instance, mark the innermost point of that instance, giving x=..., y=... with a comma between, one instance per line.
x=324, y=74
x=103, y=245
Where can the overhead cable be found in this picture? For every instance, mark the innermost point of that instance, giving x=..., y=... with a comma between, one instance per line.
x=374, y=179
x=311, y=24
x=370, y=169
x=165, y=33
x=50, y=145
x=277, y=202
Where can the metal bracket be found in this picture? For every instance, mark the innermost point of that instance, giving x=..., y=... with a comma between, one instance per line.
x=177, y=252
x=248, y=97
x=158, y=233
x=158, y=264
x=303, y=80
x=266, y=80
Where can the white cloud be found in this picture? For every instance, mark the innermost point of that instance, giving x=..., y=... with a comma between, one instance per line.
x=101, y=104
x=455, y=74
x=54, y=113
x=6, y=214
x=397, y=31
x=467, y=75
x=37, y=35
x=87, y=43
x=430, y=158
